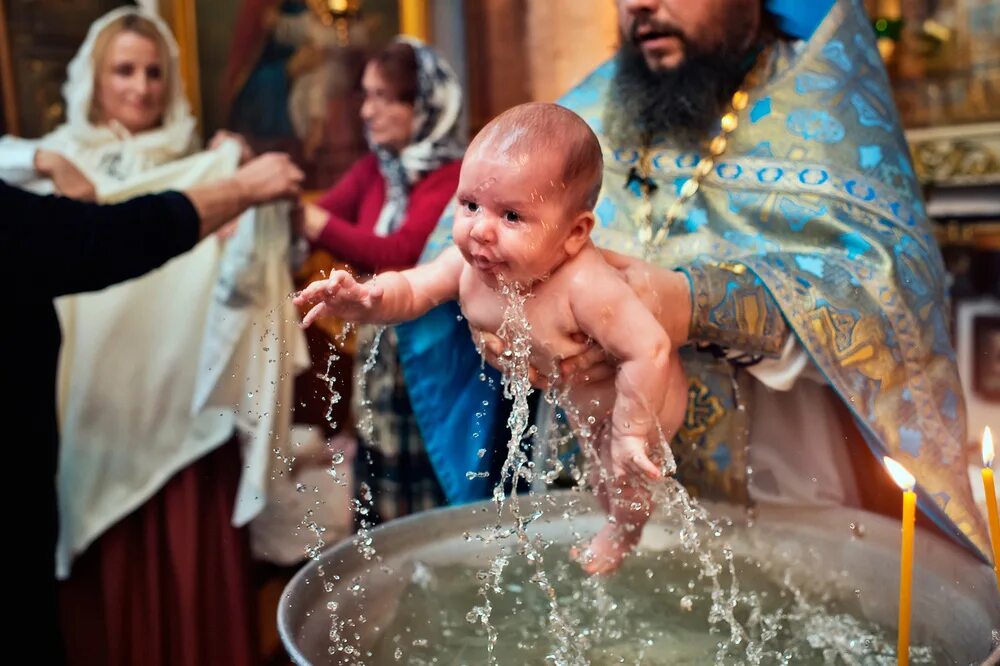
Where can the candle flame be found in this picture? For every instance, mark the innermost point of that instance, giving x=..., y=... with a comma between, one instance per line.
x=899, y=474
x=987, y=447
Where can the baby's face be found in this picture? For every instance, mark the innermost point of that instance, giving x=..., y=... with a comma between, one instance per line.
x=511, y=220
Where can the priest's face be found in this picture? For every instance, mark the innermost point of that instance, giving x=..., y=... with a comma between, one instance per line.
x=678, y=63
x=670, y=32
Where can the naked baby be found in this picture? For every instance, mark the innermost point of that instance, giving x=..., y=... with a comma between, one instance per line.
x=528, y=186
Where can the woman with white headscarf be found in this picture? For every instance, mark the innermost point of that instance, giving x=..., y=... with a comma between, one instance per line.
x=378, y=217
x=175, y=387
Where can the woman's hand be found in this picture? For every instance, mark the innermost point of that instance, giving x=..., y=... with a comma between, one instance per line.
x=246, y=152
x=269, y=177
x=69, y=181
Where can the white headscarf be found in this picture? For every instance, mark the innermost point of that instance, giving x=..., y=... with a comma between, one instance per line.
x=110, y=149
x=187, y=369
x=436, y=140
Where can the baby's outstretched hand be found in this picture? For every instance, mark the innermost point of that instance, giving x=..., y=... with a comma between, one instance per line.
x=339, y=295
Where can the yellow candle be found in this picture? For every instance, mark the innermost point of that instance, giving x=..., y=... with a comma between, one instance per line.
x=991, y=499
x=413, y=18
x=906, y=482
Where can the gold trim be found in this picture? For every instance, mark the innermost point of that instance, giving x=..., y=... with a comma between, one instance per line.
x=703, y=411
x=7, y=77
x=981, y=235
x=956, y=154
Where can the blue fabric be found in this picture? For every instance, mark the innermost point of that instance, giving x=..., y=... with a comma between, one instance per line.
x=925, y=501
x=261, y=107
x=453, y=418
x=799, y=18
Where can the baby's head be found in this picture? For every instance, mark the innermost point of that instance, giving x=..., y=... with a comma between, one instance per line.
x=527, y=191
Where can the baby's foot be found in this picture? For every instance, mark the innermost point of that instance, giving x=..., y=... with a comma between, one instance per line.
x=607, y=549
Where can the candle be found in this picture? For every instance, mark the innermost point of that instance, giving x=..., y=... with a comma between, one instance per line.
x=906, y=482
x=413, y=18
x=991, y=499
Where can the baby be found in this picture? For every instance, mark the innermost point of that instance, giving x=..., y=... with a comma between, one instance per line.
x=528, y=186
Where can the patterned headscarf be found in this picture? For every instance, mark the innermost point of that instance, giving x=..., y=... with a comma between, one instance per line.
x=436, y=140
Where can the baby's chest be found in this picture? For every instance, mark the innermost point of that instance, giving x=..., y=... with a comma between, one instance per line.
x=551, y=322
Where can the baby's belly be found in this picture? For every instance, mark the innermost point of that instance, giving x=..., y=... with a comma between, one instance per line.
x=548, y=350
x=548, y=345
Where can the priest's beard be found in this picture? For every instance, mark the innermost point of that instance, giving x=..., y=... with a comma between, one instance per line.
x=683, y=104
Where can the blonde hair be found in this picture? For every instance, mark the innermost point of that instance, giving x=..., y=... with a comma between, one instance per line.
x=128, y=23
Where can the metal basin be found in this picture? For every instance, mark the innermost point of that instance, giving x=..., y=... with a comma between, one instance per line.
x=955, y=609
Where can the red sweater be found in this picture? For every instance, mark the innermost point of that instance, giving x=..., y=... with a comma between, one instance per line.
x=355, y=202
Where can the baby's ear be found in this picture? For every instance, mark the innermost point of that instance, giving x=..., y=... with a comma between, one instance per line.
x=579, y=232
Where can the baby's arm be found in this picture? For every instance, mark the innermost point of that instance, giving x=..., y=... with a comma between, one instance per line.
x=387, y=298
x=607, y=310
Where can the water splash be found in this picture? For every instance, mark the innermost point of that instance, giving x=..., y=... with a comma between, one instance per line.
x=515, y=331
x=366, y=422
x=693, y=605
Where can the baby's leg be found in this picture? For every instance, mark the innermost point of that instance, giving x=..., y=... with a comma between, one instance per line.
x=676, y=401
x=671, y=417
x=589, y=415
x=628, y=503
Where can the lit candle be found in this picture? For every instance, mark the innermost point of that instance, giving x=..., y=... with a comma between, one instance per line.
x=905, y=481
x=991, y=499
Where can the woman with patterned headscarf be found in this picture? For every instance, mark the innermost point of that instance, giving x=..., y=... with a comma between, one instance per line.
x=378, y=217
